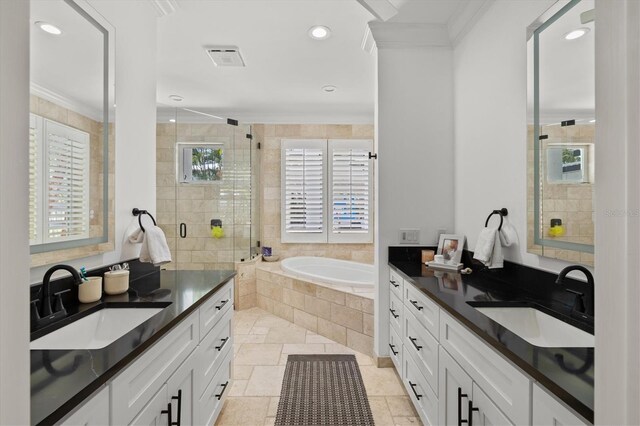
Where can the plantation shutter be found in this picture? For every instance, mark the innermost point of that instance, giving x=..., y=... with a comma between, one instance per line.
x=66, y=183
x=35, y=176
x=303, y=198
x=350, y=185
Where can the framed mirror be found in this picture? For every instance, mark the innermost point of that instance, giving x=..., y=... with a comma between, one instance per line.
x=71, y=138
x=561, y=132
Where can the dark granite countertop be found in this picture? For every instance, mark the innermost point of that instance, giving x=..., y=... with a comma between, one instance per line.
x=62, y=379
x=566, y=372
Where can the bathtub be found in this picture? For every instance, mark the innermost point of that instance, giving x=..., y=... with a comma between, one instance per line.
x=331, y=271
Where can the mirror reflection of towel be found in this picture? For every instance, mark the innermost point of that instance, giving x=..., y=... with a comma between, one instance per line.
x=489, y=248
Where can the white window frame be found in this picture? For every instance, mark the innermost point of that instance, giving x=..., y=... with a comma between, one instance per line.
x=327, y=235
x=44, y=127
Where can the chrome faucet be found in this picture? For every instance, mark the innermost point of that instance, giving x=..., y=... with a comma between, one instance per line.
x=580, y=309
x=45, y=315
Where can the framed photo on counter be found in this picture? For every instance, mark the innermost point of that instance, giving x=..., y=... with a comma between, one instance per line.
x=450, y=246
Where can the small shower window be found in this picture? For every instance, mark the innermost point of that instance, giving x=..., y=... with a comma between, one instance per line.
x=200, y=163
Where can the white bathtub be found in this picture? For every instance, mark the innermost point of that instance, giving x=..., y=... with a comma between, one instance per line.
x=330, y=271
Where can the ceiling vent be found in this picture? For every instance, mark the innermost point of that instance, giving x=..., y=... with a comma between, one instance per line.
x=226, y=56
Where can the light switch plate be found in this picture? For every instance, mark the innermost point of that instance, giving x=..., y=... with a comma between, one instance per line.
x=409, y=236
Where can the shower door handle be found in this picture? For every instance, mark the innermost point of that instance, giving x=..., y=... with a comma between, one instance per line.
x=183, y=230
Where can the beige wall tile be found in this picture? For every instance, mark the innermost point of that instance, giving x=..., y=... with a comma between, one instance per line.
x=347, y=317
x=333, y=331
x=303, y=319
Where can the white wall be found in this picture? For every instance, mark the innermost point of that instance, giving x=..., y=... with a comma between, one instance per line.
x=414, y=179
x=490, y=78
x=617, y=370
x=14, y=245
x=135, y=26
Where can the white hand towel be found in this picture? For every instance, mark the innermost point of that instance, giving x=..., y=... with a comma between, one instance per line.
x=157, y=247
x=507, y=235
x=489, y=249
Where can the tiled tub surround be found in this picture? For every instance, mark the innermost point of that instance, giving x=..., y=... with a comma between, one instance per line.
x=343, y=314
x=270, y=136
x=570, y=379
x=62, y=379
x=245, y=292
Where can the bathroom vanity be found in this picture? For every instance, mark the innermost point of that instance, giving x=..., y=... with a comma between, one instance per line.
x=460, y=366
x=173, y=368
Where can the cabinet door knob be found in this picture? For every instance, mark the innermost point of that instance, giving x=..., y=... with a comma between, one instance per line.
x=470, y=413
x=224, y=388
x=413, y=388
x=224, y=342
x=393, y=312
x=413, y=340
x=168, y=413
x=179, y=398
x=224, y=302
x=415, y=303
x=392, y=350
x=460, y=396
x=393, y=283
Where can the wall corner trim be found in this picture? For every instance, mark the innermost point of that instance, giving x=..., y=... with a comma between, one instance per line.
x=396, y=35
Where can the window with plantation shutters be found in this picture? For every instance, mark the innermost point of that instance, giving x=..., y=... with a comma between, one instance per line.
x=326, y=191
x=303, y=197
x=59, y=194
x=350, y=181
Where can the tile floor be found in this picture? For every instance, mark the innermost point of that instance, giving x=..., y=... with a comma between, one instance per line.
x=262, y=343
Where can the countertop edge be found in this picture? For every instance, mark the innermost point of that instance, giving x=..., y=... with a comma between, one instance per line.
x=534, y=374
x=95, y=385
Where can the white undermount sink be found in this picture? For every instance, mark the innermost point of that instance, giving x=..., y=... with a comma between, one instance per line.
x=538, y=328
x=97, y=330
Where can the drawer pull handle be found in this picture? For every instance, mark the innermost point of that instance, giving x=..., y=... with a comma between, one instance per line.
x=224, y=388
x=168, y=413
x=413, y=388
x=460, y=396
x=224, y=302
x=224, y=342
x=179, y=398
x=413, y=340
x=415, y=303
x=470, y=414
x=393, y=312
x=393, y=283
x=394, y=352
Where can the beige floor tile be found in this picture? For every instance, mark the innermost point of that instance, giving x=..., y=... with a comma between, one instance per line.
x=273, y=406
x=237, y=387
x=259, y=330
x=271, y=321
x=380, y=411
x=286, y=335
x=250, y=338
x=258, y=354
x=404, y=421
x=242, y=372
x=316, y=338
x=303, y=348
x=381, y=381
x=265, y=381
x=337, y=348
x=283, y=359
x=401, y=406
x=364, y=359
x=270, y=421
x=243, y=411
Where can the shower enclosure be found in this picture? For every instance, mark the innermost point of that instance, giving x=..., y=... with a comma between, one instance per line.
x=207, y=179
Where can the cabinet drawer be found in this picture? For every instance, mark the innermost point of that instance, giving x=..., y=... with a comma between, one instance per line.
x=213, y=349
x=95, y=412
x=420, y=392
x=135, y=386
x=549, y=411
x=152, y=413
x=396, y=350
x=498, y=378
x=488, y=413
x=213, y=309
x=423, y=347
x=425, y=311
x=396, y=313
x=396, y=283
x=211, y=402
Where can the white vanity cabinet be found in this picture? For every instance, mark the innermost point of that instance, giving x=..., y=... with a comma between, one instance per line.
x=548, y=411
x=168, y=383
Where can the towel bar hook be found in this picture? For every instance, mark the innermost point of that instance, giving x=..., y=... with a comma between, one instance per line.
x=137, y=212
x=502, y=212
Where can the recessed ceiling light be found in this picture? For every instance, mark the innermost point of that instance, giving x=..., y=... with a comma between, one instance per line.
x=172, y=120
x=329, y=88
x=572, y=35
x=49, y=28
x=592, y=121
x=319, y=32
x=176, y=98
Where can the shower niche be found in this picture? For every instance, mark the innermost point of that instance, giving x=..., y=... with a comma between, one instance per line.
x=207, y=178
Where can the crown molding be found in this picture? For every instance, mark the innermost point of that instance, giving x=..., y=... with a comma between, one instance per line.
x=465, y=18
x=67, y=103
x=164, y=7
x=396, y=35
x=381, y=9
